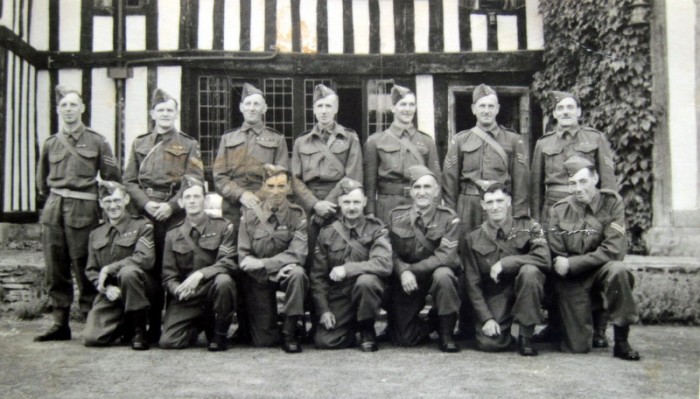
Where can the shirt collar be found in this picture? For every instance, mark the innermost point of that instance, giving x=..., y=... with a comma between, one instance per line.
x=358, y=227
x=334, y=128
x=398, y=130
x=281, y=211
x=573, y=130
x=200, y=227
x=427, y=216
x=256, y=128
x=123, y=223
x=491, y=229
x=495, y=130
x=75, y=133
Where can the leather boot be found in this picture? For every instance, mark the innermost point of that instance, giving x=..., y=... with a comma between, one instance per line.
x=368, y=337
x=622, y=348
x=219, y=340
x=290, y=344
x=600, y=324
x=139, y=319
x=525, y=347
x=59, y=331
x=445, y=328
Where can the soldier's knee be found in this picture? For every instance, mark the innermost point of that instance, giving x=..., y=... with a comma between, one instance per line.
x=444, y=276
x=616, y=268
x=224, y=281
x=129, y=273
x=368, y=282
x=529, y=274
x=297, y=273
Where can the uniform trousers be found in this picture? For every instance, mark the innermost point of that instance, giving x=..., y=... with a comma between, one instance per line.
x=471, y=215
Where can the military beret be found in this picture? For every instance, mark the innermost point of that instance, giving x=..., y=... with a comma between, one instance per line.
x=189, y=181
x=576, y=163
x=274, y=170
x=160, y=96
x=418, y=171
x=322, y=91
x=558, y=96
x=347, y=185
x=249, y=90
x=399, y=92
x=108, y=187
x=62, y=91
x=481, y=90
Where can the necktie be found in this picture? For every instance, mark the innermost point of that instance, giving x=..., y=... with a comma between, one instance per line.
x=325, y=135
x=353, y=234
x=195, y=235
x=112, y=235
x=419, y=224
x=500, y=234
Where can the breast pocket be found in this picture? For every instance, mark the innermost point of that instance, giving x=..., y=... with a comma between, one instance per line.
x=184, y=256
x=124, y=246
x=486, y=255
x=336, y=252
x=553, y=160
x=340, y=150
x=389, y=156
x=310, y=159
x=58, y=167
x=572, y=236
x=210, y=246
x=88, y=157
x=471, y=155
x=175, y=160
x=588, y=151
x=265, y=150
x=402, y=240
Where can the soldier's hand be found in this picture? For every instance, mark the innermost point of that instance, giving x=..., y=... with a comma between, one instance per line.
x=151, y=207
x=164, y=211
x=325, y=208
x=113, y=293
x=249, y=199
x=284, y=272
x=561, y=265
x=496, y=270
x=491, y=328
x=338, y=273
x=104, y=273
x=327, y=320
x=251, y=264
x=408, y=282
x=189, y=286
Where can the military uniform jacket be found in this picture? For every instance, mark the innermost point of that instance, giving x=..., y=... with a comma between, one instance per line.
x=162, y=168
x=516, y=243
x=588, y=235
x=557, y=146
x=470, y=160
x=312, y=167
x=387, y=159
x=114, y=246
x=241, y=156
x=332, y=250
x=441, y=226
x=215, y=251
x=58, y=168
x=278, y=241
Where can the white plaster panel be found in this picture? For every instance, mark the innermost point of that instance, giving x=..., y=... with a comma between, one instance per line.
x=335, y=26
x=135, y=32
x=136, y=107
x=450, y=17
x=168, y=24
x=102, y=33
x=284, y=26
x=421, y=22
x=507, y=32
x=534, y=24
x=69, y=21
x=386, y=27
x=6, y=19
x=205, y=36
x=425, y=97
x=39, y=35
x=9, y=133
x=257, y=25
x=232, y=25
x=103, y=107
x=360, y=26
x=478, y=26
x=44, y=91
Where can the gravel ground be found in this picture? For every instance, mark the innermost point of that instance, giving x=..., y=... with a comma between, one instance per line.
x=669, y=369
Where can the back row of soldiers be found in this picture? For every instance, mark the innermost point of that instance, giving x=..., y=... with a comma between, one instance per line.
x=331, y=243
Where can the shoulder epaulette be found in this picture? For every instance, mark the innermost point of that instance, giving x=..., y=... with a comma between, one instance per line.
x=374, y=220
x=447, y=209
x=546, y=134
x=232, y=131
x=591, y=129
x=273, y=130
x=347, y=129
x=562, y=201
x=187, y=136
x=176, y=225
x=424, y=133
x=143, y=135
x=610, y=192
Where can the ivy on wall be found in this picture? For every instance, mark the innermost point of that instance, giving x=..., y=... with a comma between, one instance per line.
x=592, y=51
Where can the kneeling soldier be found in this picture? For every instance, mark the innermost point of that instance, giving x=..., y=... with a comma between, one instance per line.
x=120, y=265
x=198, y=263
x=504, y=267
x=351, y=260
x=273, y=246
x=424, y=237
x=588, y=242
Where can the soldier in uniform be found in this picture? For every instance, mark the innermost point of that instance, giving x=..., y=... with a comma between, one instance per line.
x=272, y=249
x=588, y=241
x=476, y=159
x=157, y=162
x=120, y=266
x=549, y=181
x=199, y=261
x=390, y=153
x=424, y=238
x=351, y=260
x=70, y=161
x=504, y=269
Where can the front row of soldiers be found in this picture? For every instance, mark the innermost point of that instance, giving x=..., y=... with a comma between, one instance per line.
x=332, y=245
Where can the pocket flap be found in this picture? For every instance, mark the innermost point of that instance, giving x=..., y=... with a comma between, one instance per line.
x=234, y=140
x=403, y=233
x=177, y=150
x=210, y=243
x=55, y=157
x=588, y=147
x=100, y=243
x=471, y=145
x=126, y=241
x=484, y=248
x=552, y=150
x=84, y=152
x=388, y=147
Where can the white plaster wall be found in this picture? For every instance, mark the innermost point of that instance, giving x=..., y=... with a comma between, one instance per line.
x=386, y=27
x=534, y=24
x=257, y=26
x=6, y=19
x=102, y=33
x=232, y=25
x=168, y=24
x=44, y=91
x=307, y=20
x=335, y=26
x=284, y=26
x=135, y=32
x=360, y=24
x=69, y=25
x=136, y=107
x=103, y=107
x=205, y=36
x=426, y=104
x=479, y=32
x=507, y=32
x=450, y=17
x=421, y=23
x=39, y=34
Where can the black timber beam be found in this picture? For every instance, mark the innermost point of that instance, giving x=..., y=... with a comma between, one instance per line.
x=10, y=41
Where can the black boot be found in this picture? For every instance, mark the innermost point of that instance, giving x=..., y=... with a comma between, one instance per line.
x=445, y=329
x=525, y=347
x=59, y=331
x=600, y=324
x=219, y=341
x=290, y=344
x=622, y=348
x=139, y=319
x=368, y=337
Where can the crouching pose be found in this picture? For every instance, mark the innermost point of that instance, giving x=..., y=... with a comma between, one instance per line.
x=504, y=267
x=198, y=264
x=351, y=260
x=120, y=266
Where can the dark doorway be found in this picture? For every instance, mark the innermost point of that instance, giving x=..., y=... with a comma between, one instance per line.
x=508, y=116
x=350, y=109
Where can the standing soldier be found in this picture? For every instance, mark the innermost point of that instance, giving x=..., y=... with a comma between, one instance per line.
x=69, y=163
x=272, y=248
x=424, y=238
x=589, y=242
x=120, y=266
x=549, y=182
x=504, y=269
x=389, y=154
x=157, y=162
x=352, y=259
x=476, y=159
x=198, y=265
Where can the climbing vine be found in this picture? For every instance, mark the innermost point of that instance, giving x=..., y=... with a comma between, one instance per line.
x=592, y=51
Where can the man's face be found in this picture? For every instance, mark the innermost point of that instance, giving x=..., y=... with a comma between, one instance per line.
x=485, y=109
x=582, y=185
x=352, y=204
x=253, y=108
x=325, y=110
x=567, y=112
x=405, y=109
x=115, y=205
x=192, y=200
x=277, y=188
x=424, y=191
x=70, y=108
x=165, y=114
x=496, y=206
